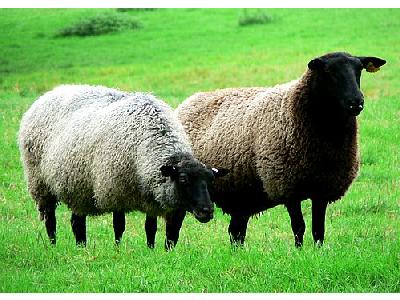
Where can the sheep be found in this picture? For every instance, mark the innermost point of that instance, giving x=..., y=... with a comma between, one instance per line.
x=282, y=144
x=101, y=150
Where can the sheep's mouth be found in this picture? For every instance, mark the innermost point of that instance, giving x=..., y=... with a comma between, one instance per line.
x=202, y=217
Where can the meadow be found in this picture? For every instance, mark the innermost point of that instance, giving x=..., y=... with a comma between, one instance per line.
x=175, y=53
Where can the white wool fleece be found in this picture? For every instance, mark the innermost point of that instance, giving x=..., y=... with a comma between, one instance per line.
x=99, y=150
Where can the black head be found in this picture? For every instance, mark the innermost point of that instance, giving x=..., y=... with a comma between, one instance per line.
x=338, y=79
x=192, y=179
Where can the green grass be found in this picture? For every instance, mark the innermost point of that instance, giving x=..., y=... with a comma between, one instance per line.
x=176, y=53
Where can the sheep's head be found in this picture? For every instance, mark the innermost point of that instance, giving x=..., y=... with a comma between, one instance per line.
x=338, y=79
x=192, y=179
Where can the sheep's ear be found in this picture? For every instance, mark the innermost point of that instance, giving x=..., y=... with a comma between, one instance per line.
x=371, y=64
x=219, y=172
x=316, y=64
x=168, y=171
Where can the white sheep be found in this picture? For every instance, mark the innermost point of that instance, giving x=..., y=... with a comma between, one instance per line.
x=101, y=150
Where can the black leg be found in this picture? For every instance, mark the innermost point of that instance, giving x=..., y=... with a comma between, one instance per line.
x=297, y=221
x=119, y=225
x=151, y=228
x=50, y=222
x=318, y=221
x=237, y=229
x=78, y=224
x=173, y=225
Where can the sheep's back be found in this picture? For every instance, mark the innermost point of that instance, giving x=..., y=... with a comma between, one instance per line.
x=51, y=109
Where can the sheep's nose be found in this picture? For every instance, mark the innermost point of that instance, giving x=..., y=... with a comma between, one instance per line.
x=207, y=210
x=355, y=109
x=356, y=106
x=204, y=214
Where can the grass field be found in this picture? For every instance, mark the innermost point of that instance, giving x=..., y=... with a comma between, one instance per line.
x=175, y=53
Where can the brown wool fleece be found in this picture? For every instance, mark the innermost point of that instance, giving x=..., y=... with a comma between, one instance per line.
x=271, y=140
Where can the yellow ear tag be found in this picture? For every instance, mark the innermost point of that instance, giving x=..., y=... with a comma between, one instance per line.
x=371, y=68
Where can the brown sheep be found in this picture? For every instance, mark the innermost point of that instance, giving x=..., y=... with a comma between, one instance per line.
x=283, y=144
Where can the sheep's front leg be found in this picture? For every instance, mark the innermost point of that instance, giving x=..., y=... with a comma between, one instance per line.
x=150, y=227
x=78, y=224
x=50, y=222
x=297, y=221
x=237, y=229
x=119, y=225
x=318, y=220
x=173, y=225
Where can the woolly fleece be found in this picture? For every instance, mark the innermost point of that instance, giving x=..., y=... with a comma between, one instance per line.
x=100, y=150
x=276, y=150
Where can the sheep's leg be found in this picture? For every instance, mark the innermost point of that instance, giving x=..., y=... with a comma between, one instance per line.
x=47, y=209
x=237, y=229
x=78, y=224
x=318, y=220
x=297, y=221
x=119, y=225
x=50, y=221
x=173, y=225
x=151, y=228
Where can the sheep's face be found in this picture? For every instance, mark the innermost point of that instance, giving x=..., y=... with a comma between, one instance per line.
x=338, y=80
x=192, y=180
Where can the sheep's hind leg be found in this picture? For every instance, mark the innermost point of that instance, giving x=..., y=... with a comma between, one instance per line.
x=318, y=220
x=297, y=221
x=78, y=224
x=173, y=225
x=150, y=227
x=119, y=225
x=237, y=229
x=47, y=208
x=49, y=215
